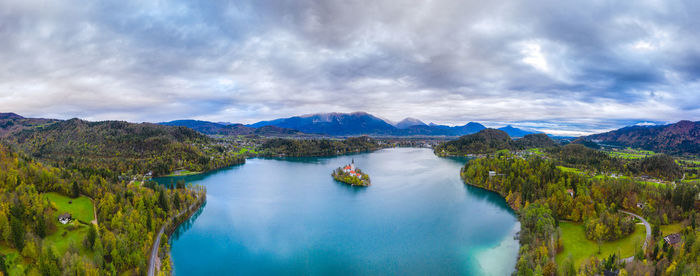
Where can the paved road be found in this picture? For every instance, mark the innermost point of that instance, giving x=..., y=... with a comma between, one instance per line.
x=154, y=252
x=647, y=226
x=156, y=244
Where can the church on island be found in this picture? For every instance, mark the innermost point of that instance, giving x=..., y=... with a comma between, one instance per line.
x=350, y=169
x=351, y=175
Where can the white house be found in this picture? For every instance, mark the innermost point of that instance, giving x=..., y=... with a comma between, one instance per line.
x=64, y=218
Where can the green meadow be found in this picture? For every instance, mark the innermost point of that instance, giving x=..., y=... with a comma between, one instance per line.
x=575, y=244
x=80, y=208
x=569, y=169
x=67, y=235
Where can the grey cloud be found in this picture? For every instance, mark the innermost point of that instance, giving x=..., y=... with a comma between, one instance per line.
x=441, y=61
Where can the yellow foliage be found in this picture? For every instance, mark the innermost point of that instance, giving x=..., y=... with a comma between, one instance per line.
x=671, y=268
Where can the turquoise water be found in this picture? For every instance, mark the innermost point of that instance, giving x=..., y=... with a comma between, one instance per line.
x=289, y=217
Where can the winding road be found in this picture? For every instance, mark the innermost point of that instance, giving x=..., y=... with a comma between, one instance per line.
x=156, y=243
x=648, y=237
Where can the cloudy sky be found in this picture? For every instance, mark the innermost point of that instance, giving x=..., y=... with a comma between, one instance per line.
x=558, y=66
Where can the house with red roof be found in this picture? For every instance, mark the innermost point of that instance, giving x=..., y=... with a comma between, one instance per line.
x=351, y=168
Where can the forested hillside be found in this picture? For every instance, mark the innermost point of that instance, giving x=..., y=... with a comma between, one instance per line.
x=539, y=140
x=492, y=140
x=11, y=122
x=485, y=141
x=680, y=138
x=112, y=147
x=316, y=147
x=33, y=242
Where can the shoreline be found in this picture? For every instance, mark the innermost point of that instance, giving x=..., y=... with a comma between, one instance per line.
x=516, y=213
x=170, y=226
x=488, y=259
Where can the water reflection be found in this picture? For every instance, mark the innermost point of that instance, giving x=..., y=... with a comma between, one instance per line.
x=488, y=196
x=186, y=225
x=168, y=180
x=351, y=188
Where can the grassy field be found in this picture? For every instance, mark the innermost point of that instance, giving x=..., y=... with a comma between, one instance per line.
x=670, y=229
x=630, y=153
x=81, y=208
x=568, y=169
x=182, y=173
x=580, y=248
x=694, y=161
x=602, y=176
x=655, y=184
x=244, y=150
x=64, y=237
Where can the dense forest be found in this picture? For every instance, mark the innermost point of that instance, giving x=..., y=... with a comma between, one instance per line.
x=316, y=147
x=545, y=194
x=109, y=148
x=11, y=122
x=492, y=140
x=127, y=218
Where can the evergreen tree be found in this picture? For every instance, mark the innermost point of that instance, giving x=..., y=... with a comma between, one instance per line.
x=163, y=200
x=18, y=231
x=75, y=189
x=91, y=236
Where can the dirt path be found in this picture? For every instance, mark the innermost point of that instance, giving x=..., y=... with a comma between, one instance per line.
x=94, y=211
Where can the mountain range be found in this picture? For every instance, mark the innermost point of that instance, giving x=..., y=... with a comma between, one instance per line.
x=228, y=129
x=344, y=124
x=682, y=137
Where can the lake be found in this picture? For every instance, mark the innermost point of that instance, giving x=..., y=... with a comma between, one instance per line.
x=288, y=216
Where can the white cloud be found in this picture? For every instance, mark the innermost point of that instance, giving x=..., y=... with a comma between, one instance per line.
x=532, y=55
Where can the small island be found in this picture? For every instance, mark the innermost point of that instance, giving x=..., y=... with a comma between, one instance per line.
x=351, y=175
